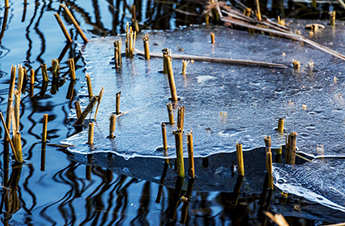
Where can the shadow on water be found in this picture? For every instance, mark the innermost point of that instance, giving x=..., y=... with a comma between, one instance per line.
x=55, y=188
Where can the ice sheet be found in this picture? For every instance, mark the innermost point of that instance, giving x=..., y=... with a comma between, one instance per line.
x=319, y=181
x=224, y=104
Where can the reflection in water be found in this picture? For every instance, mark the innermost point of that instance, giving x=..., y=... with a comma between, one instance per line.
x=64, y=191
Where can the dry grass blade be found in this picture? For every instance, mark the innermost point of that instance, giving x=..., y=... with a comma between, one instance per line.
x=277, y=218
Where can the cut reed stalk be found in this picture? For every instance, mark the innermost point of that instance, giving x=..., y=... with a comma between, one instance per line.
x=63, y=28
x=10, y=98
x=112, y=126
x=55, y=68
x=212, y=38
x=281, y=125
x=117, y=53
x=165, y=53
x=291, y=149
x=267, y=140
x=16, y=136
x=32, y=76
x=134, y=20
x=7, y=4
x=86, y=111
x=180, y=118
x=164, y=136
x=332, y=18
x=240, y=163
x=118, y=96
x=70, y=92
x=20, y=78
x=75, y=23
x=16, y=157
x=130, y=41
x=179, y=153
x=171, y=78
x=146, y=46
x=269, y=169
x=44, y=73
x=17, y=107
x=45, y=126
x=77, y=108
x=170, y=113
x=191, y=171
x=184, y=66
x=258, y=12
x=71, y=66
x=89, y=85
x=90, y=137
x=100, y=95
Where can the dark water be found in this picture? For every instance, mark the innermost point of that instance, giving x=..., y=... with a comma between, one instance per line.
x=55, y=188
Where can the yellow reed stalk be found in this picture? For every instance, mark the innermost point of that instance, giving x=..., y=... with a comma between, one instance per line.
x=17, y=107
x=180, y=118
x=71, y=66
x=171, y=78
x=112, y=126
x=146, y=46
x=291, y=149
x=45, y=128
x=90, y=137
x=118, y=96
x=32, y=76
x=89, y=85
x=74, y=22
x=100, y=95
x=165, y=67
x=10, y=98
x=240, y=163
x=191, y=171
x=179, y=153
x=171, y=114
x=212, y=38
x=55, y=68
x=332, y=17
x=44, y=73
x=269, y=169
x=20, y=78
x=258, y=12
x=7, y=4
x=117, y=53
x=86, y=111
x=63, y=28
x=77, y=108
x=16, y=137
x=164, y=136
x=267, y=140
x=184, y=66
x=281, y=125
x=17, y=158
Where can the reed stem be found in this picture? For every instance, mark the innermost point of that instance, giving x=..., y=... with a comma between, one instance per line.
x=267, y=140
x=91, y=129
x=75, y=23
x=17, y=158
x=281, y=125
x=165, y=67
x=170, y=113
x=10, y=98
x=212, y=38
x=184, y=66
x=291, y=149
x=45, y=126
x=332, y=17
x=180, y=118
x=7, y=4
x=164, y=136
x=86, y=111
x=32, y=76
x=17, y=107
x=118, y=96
x=112, y=126
x=269, y=169
x=100, y=95
x=240, y=162
x=63, y=28
x=171, y=78
x=117, y=53
x=146, y=46
x=55, y=68
x=77, y=108
x=44, y=73
x=89, y=85
x=191, y=171
x=20, y=78
x=179, y=153
x=71, y=66
x=258, y=12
